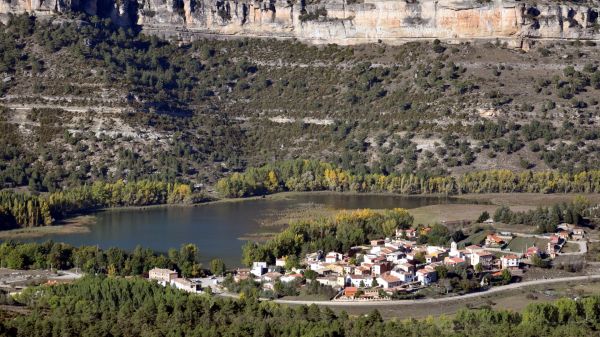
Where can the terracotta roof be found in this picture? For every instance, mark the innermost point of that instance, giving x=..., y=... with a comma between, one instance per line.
x=455, y=260
x=350, y=291
x=272, y=275
x=390, y=278
x=387, y=250
x=494, y=237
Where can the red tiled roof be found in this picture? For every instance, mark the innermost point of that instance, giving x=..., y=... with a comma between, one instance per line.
x=350, y=291
x=495, y=238
x=455, y=260
x=390, y=278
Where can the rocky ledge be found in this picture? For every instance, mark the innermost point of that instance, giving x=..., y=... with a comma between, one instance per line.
x=338, y=21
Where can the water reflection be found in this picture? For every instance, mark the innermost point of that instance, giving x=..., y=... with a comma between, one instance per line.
x=215, y=228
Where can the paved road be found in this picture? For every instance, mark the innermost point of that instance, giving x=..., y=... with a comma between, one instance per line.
x=447, y=299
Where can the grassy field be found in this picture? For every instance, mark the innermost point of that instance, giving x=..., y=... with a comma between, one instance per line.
x=74, y=225
x=593, y=253
x=514, y=228
x=528, y=199
x=453, y=212
x=520, y=244
x=476, y=238
x=570, y=248
x=518, y=202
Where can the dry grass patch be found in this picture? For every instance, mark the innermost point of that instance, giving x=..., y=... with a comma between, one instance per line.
x=528, y=199
x=76, y=225
x=454, y=212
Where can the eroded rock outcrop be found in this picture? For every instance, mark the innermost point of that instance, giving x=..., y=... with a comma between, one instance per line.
x=338, y=21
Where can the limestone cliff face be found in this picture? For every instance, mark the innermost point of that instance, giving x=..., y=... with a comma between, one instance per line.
x=123, y=12
x=337, y=21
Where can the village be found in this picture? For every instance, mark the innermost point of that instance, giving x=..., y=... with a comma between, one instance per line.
x=392, y=267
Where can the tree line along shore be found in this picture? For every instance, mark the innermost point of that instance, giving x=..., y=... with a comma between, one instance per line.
x=311, y=175
x=20, y=210
x=33, y=210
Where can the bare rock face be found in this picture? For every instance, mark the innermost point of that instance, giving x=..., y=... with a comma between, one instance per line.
x=338, y=21
x=122, y=12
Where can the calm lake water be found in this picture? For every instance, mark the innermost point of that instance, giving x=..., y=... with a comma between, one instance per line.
x=216, y=228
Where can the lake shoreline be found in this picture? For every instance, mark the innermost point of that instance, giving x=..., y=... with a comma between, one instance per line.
x=80, y=222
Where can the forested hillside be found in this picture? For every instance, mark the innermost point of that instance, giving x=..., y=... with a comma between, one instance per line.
x=101, y=306
x=82, y=100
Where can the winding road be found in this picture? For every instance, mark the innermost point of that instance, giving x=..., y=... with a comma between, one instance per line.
x=445, y=299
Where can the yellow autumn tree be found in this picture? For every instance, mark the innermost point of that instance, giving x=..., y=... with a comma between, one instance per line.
x=272, y=183
x=180, y=193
